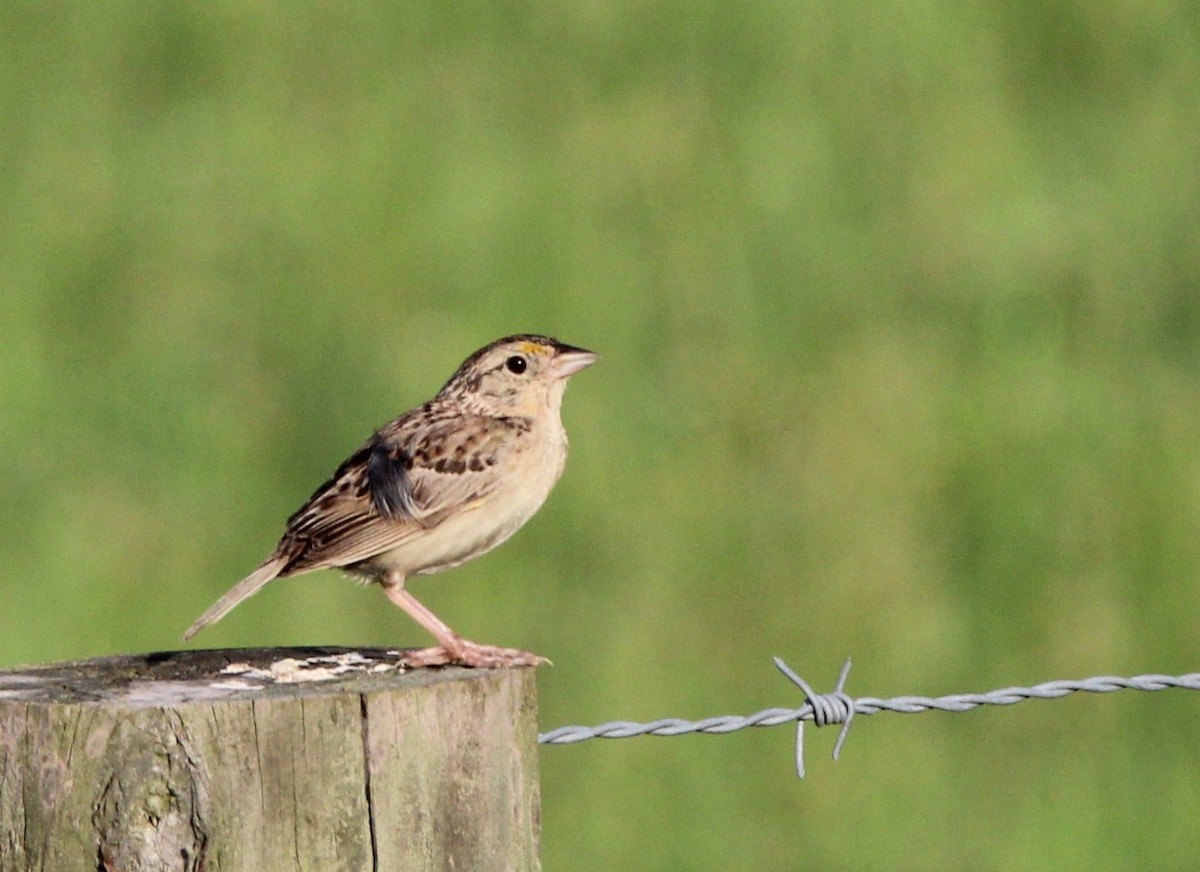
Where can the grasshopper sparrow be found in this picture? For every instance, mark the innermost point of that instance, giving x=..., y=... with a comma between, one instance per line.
x=437, y=487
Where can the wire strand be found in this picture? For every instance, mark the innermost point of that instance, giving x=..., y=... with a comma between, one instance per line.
x=837, y=707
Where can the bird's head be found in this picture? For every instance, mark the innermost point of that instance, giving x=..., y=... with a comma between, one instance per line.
x=517, y=375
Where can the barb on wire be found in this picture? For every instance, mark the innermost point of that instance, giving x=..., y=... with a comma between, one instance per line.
x=827, y=708
x=838, y=707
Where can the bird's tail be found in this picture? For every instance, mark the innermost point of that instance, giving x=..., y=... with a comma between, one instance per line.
x=248, y=586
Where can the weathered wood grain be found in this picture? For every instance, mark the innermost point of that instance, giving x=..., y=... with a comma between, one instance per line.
x=267, y=760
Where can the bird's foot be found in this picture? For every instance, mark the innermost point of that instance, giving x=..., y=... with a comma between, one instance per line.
x=466, y=653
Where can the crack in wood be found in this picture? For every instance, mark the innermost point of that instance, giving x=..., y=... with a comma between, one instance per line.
x=370, y=798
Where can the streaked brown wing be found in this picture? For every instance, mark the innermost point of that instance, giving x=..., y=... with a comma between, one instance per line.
x=339, y=525
x=422, y=473
x=403, y=481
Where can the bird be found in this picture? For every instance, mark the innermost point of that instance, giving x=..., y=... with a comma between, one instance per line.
x=438, y=486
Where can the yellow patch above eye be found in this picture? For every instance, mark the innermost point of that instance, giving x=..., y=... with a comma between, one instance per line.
x=534, y=348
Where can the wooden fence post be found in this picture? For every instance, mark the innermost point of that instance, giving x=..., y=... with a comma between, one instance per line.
x=263, y=760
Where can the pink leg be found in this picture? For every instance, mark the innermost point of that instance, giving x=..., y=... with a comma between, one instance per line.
x=453, y=648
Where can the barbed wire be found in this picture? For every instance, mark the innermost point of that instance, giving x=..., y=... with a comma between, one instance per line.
x=838, y=707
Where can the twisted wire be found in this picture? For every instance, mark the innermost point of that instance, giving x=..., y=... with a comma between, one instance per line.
x=837, y=707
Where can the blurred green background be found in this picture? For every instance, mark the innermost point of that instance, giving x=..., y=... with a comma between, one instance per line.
x=900, y=314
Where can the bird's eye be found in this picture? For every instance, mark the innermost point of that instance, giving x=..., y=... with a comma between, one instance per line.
x=516, y=364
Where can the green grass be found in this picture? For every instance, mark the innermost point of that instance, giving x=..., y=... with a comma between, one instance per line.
x=900, y=320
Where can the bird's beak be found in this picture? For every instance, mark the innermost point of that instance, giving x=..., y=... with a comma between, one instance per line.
x=571, y=360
